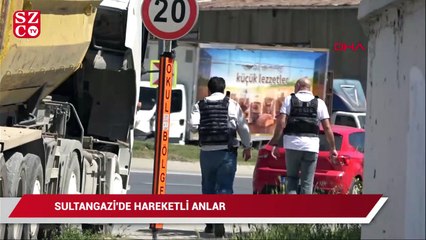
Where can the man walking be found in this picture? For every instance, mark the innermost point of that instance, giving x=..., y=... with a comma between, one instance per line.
x=218, y=119
x=299, y=119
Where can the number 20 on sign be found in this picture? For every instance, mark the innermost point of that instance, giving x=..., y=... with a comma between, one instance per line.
x=169, y=19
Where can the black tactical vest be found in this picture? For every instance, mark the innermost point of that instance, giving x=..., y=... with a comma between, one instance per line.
x=303, y=120
x=214, y=128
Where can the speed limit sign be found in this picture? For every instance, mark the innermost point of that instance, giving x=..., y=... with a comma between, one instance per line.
x=169, y=19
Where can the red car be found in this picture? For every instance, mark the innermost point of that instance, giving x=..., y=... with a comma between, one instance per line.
x=343, y=175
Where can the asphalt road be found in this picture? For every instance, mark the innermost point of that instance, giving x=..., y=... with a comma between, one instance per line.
x=180, y=183
x=177, y=183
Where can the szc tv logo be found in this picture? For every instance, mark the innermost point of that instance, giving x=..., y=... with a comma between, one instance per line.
x=26, y=24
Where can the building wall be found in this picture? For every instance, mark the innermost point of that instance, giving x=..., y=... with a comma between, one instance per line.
x=320, y=28
x=395, y=127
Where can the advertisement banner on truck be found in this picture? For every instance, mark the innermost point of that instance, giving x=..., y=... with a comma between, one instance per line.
x=260, y=79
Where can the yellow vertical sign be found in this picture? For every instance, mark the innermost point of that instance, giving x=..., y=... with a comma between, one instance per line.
x=162, y=126
x=155, y=76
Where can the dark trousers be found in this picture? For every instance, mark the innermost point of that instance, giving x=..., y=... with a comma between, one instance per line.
x=218, y=171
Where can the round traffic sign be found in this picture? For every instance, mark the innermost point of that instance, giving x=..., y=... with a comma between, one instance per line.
x=169, y=19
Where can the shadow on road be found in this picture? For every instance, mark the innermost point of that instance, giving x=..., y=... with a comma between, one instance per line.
x=178, y=234
x=175, y=231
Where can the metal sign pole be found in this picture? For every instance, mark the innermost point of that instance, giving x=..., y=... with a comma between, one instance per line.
x=163, y=24
x=168, y=46
x=164, y=96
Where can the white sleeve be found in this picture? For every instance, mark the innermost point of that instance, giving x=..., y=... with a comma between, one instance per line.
x=322, y=110
x=285, y=108
x=195, y=118
x=243, y=128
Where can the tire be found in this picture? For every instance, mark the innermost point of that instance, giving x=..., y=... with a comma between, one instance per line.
x=115, y=187
x=2, y=192
x=35, y=184
x=16, y=186
x=219, y=230
x=356, y=186
x=71, y=182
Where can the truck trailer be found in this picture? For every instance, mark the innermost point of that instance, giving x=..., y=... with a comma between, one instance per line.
x=258, y=77
x=68, y=100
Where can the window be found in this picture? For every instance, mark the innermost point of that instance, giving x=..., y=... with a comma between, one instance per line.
x=148, y=98
x=324, y=146
x=189, y=56
x=357, y=141
x=351, y=92
x=361, y=121
x=345, y=121
x=176, y=101
x=110, y=28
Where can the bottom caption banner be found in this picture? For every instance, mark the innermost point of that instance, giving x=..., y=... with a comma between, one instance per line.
x=133, y=209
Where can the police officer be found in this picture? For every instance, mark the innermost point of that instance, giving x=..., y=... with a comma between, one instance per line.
x=299, y=120
x=218, y=119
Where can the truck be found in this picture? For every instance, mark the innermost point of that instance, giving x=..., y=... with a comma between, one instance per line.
x=68, y=100
x=257, y=77
x=247, y=70
x=348, y=103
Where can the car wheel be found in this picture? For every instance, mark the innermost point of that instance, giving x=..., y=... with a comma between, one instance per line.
x=356, y=186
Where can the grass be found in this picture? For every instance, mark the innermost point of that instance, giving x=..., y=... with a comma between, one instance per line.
x=302, y=231
x=185, y=153
x=77, y=234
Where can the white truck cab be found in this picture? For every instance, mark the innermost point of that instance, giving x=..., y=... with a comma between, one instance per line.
x=349, y=103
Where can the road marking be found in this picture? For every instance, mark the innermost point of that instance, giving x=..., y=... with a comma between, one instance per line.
x=180, y=173
x=174, y=173
x=176, y=184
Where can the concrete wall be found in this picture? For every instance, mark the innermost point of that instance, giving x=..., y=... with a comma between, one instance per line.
x=395, y=128
x=317, y=28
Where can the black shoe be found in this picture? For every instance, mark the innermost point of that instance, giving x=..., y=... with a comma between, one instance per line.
x=208, y=228
x=219, y=230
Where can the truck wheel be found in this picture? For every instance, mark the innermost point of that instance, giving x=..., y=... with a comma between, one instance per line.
x=115, y=181
x=35, y=185
x=71, y=183
x=16, y=186
x=117, y=184
x=2, y=193
x=71, y=180
x=356, y=186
